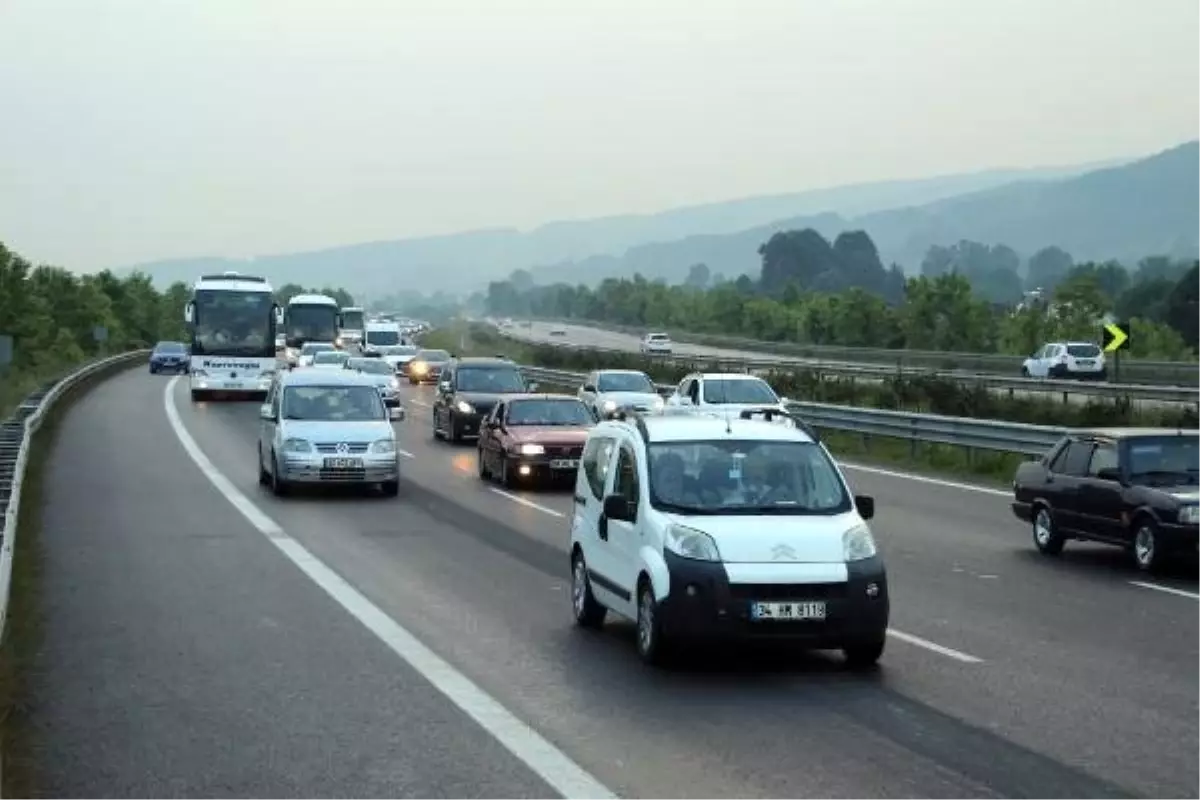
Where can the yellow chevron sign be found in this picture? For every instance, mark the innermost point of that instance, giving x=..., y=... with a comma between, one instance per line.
x=1115, y=337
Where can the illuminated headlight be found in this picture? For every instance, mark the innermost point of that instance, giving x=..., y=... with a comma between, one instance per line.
x=383, y=446
x=464, y=407
x=610, y=406
x=393, y=384
x=658, y=403
x=690, y=543
x=337, y=342
x=858, y=543
x=420, y=367
x=1189, y=515
x=531, y=450
x=296, y=446
x=291, y=353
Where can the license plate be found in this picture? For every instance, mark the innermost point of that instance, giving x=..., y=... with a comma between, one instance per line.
x=233, y=385
x=1087, y=363
x=564, y=463
x=807, y=610
x=343, y=463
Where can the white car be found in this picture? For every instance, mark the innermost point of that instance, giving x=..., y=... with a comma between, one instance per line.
x=1067, y=360
x=606, y=391
x=330, y=359
x=702, y=528
x=656, y=344
x=304, y=356
x=725, y=393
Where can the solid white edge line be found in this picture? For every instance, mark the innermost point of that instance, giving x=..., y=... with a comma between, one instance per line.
x=949, y=652
x=531, y=748
x=516, y=498
x=1168, y=589
x=968, y=487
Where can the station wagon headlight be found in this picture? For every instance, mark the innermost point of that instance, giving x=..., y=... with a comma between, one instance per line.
x=383, y=446
x=690, y=543
x=858, y=543
x=296, y=446
x=465, y=408
x=531, y=450
x=1189, y=515
x=610, y=405
x=658, y=403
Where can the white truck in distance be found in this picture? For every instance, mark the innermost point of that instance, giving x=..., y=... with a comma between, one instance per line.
x=232, y=319
x=382, y=334
x=353, y=325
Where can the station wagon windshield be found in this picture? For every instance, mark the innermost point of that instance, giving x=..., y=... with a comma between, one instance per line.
x=333, y=403
x=738, y=390
x=624, y=382
x=745, y=477
x=494, y=380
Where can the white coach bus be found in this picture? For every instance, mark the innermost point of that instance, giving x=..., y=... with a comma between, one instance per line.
x=232, y=318
x=353, y=325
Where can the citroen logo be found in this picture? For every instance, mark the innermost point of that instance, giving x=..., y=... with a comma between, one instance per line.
x=343, y=448
x=781, y=552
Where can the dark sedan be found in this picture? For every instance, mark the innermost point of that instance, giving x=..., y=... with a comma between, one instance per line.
x=1135, y=488
x=533, y=438
x=468, y=390
x=169, y=357
x=426, y=366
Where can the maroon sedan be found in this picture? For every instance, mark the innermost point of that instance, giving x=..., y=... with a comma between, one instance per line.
x=531, y=438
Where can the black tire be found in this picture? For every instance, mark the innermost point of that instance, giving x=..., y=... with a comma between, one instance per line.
x=1147, y=549
x=864, y=655
x=264, y=477
x=454, y=430
x=390, y=488
x=437, y=432
x=1046, y=537
x=484, y=473
x=506, y=477
x=153, y=370
x=651, y=646
x=588, y=612
x=198, y=396
x=280, y=488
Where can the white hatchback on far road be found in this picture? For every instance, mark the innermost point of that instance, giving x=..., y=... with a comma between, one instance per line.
x=1067, y=360
x=657, y=344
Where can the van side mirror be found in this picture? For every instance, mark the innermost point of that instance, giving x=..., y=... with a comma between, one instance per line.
x=865, y=505
x=189, y=312
x=617, y=507
x=265, y=412
x=396, y=414
x=587, y=387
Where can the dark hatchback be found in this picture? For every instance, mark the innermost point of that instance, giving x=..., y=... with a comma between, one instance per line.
x=1135, y=488
x=169, y=357
x=469, y=389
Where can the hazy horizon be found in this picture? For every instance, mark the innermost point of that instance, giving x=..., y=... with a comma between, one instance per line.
x=225, y=128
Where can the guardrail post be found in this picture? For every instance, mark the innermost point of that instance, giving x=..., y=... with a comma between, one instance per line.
x=913, y=440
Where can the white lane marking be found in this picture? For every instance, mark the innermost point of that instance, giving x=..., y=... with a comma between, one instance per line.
x=405, y=453
x=949, y=652
x=516, y=498
x=547, y=761
x=420, y=403
x=969, y=487
x=1168, y=589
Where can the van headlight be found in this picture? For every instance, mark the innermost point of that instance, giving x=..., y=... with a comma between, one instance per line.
x=296, y=446
x=610, y=406
x=858, y=543
x=690, y=543
x=1189, y=515
x=531, y=450
x=464, y=407
x=383, y=446
x=658, y=403
x=393, y=384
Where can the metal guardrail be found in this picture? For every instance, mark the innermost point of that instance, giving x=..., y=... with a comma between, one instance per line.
x=16, y=433
x=993, y=435
x=1048, y=386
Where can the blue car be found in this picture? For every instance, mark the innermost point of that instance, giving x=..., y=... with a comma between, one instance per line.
x=169, y=357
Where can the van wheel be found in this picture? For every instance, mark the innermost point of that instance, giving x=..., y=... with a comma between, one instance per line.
x=264, y=477
x=1148, y=553
x=650, y=644
x=864, y=655
x=588, y=612
x=1046, y=537
x=390, y=488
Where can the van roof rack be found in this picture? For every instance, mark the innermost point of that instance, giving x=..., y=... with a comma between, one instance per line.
x=635, y=416
x=770, y=413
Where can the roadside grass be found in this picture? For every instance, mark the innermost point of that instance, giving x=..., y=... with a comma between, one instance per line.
x=23, y=629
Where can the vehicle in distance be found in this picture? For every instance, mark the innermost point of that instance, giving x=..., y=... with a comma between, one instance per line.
x=724, y=393
x=1083, y=360
x=233, y=318
x=352, y=326
x=467, y=391
x=382, y=334
x=381, y=374
x=330, y=359
x=396, y=356
x=1131, y=487
x=533, y=438
x=655, y=344
x=606, y=391
x=426, y=366
x=700, y=528
x=327, y=427
x=307, y=352
x=312, y=318
x=169, y=357
x=558, y=330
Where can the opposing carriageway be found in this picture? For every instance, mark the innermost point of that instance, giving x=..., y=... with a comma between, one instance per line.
x=204, y=637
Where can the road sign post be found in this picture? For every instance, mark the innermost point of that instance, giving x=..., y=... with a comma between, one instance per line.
x=1116, y=339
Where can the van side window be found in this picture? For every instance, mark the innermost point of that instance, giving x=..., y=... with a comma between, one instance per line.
x=626, y=483
x=596, y=456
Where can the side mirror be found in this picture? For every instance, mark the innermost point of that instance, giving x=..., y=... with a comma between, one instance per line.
x=587, y=387
x=533, y=387
x=396, y=414
x=265, y=412
x=1109, y=474
x=865, y=505
x=444, y=386
x=617, y=507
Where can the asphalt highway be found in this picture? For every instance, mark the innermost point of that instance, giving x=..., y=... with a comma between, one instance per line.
x=199, y=640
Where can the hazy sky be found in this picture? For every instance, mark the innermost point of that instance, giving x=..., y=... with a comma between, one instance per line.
x=133, y=130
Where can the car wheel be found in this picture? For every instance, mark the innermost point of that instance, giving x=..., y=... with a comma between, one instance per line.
x=390, y=488
x=197, y=396
x=1148, y=553
x=153, y=369
x=264, y=477
x=1046, y=537
x=650, y=644
x=864, y=655
x=588, y=612
x=279, y=486
x=484, y=472
x=453, y=429
x=1025, y=372
x=437, y=431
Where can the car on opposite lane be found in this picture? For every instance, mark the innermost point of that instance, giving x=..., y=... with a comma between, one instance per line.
x=426, y=366
x=327, y=427
x=468, y=390
x=1135, y=488
x=169, y=357
x=698, y=527
x=381, y=374
x=533, y=438
x=655, y=344
x=605, y=391
x=1083, y=360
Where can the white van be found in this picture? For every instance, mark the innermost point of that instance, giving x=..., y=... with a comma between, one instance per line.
x=381, y=334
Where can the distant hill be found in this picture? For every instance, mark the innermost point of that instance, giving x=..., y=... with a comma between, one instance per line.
x=467, y=260
x=1144, y=207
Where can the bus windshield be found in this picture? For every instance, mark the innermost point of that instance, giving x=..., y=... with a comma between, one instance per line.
x=315, y=323
x=352, y=320
x=233, y=323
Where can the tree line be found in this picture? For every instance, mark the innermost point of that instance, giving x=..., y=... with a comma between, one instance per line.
x=812, y=291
